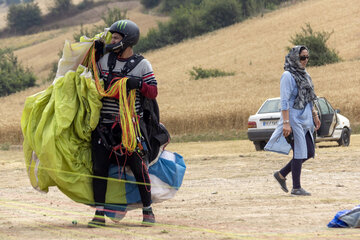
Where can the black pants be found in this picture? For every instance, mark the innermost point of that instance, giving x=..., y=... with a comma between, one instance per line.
x=102, y=158
x=294, y=166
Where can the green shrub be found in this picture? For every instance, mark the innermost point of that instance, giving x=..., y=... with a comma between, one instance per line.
x=10, y=2
x=60, y=7
x=13, y=77
x=5, y=146
x=199, y=72
x=85, y=32
x=22, y=17
x=52, y=74
x=150, y=3
x=54, y=66
x=190, y=18
x=320, y=54
x=85, y=4
x=111, y=16
x=219, y=14
x=185, y=23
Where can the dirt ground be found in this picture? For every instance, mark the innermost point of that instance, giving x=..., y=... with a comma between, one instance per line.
x=228, y=193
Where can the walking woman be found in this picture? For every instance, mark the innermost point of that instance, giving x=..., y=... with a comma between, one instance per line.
x=298, y=117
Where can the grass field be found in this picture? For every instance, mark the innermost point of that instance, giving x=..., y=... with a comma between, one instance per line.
x=254, y=50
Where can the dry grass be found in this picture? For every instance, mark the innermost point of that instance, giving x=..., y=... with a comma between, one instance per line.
x=253, y=49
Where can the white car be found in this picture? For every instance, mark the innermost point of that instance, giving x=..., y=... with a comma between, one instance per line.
x=334, y=126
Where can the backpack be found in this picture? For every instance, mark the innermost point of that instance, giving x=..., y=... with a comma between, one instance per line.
x=155, y=133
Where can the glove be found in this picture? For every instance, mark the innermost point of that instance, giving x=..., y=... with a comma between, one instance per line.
x=99, y=49
x=134, y=83
x=99, y=45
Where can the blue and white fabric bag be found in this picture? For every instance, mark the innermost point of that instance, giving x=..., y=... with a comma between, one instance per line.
x=166, y=175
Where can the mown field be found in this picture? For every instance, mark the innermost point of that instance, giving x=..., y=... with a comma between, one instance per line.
x=254, y=50
x=228, y=192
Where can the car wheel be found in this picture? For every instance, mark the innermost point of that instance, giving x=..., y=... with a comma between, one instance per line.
x=259, y=145
x=345, y=138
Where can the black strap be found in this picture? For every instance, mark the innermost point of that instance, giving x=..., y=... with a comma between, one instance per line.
x=100, y=129
x=111, y=65
x=131, y=63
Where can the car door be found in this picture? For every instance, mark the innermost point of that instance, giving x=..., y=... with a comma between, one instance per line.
x=327, y=116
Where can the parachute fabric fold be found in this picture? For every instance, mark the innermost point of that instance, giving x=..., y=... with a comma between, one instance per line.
x=57, y=125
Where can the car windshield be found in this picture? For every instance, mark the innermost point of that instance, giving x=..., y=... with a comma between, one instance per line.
x=271, y=106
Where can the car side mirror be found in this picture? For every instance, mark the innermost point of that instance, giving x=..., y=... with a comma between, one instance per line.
x=337, y=110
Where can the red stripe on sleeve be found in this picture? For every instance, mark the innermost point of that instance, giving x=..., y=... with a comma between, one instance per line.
x=149, y=91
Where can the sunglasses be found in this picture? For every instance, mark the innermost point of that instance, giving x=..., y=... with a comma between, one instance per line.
x=302, y=58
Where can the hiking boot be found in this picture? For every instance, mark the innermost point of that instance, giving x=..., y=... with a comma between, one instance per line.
x=148, y=216
x=300, y=192
x=98, y=220
x=281, y=181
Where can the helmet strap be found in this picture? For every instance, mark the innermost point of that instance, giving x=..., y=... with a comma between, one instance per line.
x=115, y=46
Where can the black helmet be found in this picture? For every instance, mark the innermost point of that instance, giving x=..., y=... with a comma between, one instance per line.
x=128, y=30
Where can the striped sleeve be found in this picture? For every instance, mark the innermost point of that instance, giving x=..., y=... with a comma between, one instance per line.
x=148, y=75
x=149, y=86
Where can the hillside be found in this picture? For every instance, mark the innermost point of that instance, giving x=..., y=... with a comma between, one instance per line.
x=40, y=50
x=254, y=49
x=43, y=5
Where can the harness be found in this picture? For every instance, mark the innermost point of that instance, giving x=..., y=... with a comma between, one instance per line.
x=154, y=134
x=111, y=137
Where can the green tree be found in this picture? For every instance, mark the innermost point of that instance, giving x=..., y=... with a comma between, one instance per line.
x=85, y=4
x=10, y=2
x=22, y=17
x=190, y=21
x=247, y=7
x=150, y=3
x=320, y=54
x=218, y=14
x=13, y=77
x=169, y=5
x=61, y=6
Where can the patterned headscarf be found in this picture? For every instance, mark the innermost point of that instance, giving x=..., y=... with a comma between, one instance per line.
x=303, y=80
